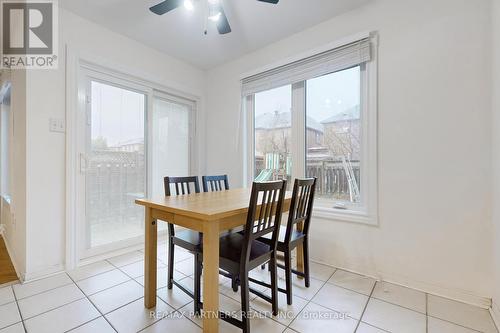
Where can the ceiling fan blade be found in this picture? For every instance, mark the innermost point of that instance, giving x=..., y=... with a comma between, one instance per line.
x=165, y=6
x=223, y=24
x=270, y=1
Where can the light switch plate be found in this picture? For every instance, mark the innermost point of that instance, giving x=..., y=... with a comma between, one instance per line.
x=57, y=125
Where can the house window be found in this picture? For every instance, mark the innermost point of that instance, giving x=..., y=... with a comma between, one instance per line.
x=316, y=117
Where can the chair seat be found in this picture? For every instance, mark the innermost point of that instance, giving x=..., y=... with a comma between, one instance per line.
x=230, y=247
x=188, y=239
x=296, y=236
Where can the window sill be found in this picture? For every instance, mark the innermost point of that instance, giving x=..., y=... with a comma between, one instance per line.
x=345, y=215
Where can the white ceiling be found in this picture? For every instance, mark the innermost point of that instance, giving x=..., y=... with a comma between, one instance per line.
x=179, y=33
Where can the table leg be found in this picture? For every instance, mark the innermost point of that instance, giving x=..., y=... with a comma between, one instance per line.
x=300, y=253
x=211, y=277
x=150, y=260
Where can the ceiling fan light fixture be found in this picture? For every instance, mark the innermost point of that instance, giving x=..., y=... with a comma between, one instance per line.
x=188, y=4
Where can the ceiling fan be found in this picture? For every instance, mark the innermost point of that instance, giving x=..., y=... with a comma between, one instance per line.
x=215, y=11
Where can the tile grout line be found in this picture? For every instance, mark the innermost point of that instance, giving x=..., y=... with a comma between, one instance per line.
x=456, y=324
x=178, y=310
x=41, y=292
x=102, y=315
x=18, y=309
x=309, y=301
x=426, y=313
x=85, y=296
x=364, y=309
x=174, y=309
x=67, y=284
x=395, y=304
x=375, y=298
x=271, y=318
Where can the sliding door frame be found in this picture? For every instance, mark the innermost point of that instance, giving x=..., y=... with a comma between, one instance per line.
x=78, y=66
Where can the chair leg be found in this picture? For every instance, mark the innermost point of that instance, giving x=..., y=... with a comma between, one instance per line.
x=288, y=276
x=197, y=283
x=306, y=262
x=274, y=285
x=245, y=305
x=170, y=277
x=234, y=283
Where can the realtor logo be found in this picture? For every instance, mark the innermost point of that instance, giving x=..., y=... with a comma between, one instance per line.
x=29, y=34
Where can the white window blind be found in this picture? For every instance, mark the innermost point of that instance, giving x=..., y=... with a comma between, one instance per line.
x=337, y=59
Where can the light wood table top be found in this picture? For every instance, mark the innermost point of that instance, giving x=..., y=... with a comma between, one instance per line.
x=209, y=213
x=208, y=206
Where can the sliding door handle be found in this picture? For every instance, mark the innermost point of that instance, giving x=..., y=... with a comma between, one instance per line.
x=83, y=163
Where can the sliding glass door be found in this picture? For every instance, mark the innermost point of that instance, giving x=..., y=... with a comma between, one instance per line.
x=131, y=136
x=115, y=173
x=170, y=148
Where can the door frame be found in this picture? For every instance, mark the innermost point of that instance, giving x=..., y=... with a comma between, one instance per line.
x=77, y=63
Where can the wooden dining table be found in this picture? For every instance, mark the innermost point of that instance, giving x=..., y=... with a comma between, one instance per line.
x=209, y=213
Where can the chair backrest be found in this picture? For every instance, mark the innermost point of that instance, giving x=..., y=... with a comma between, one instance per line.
x=264, y=214
x=181, y=185
x=215, y=183
x=301, y=206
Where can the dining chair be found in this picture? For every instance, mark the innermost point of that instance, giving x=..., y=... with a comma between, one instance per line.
x=215, y=183
x=296, y=232
x=188, y=239
x=239, y=253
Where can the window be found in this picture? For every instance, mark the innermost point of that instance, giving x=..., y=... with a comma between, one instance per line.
x=316, y=117
x=273, y=135
x=333, y=113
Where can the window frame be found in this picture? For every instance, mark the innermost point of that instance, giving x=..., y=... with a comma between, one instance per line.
x=367, y=212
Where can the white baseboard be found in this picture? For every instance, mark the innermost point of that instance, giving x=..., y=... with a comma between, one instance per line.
x=450, y=293
x=43, y=273
x=495, y=313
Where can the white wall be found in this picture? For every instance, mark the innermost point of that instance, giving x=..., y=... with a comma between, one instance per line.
x=496, y=155
x=434, y=144
x=46, y=95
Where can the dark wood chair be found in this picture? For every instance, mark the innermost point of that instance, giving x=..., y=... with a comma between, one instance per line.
x=215, y=183
x=242, y=252
x=187, y=239
x=296, y=232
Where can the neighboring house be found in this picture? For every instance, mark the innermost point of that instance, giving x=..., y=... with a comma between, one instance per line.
x=342, y=134
x=327, y=143
x=130, y=145
x=273, y=132
x=273, y=141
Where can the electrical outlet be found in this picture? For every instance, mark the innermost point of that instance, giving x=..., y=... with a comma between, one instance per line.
x=57, y=125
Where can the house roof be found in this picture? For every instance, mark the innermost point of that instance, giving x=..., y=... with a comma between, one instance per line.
x=349, y=114
x=282, y=120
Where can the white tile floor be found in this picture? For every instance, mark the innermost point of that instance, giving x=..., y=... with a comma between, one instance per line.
x=108, y=297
